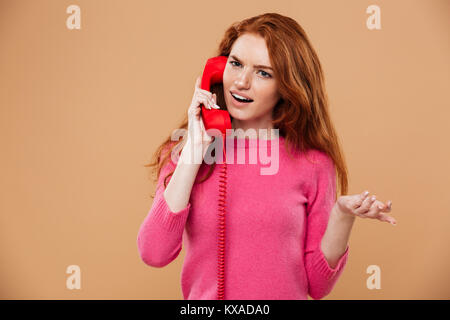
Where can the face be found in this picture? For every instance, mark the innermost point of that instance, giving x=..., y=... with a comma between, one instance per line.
x=246, y=76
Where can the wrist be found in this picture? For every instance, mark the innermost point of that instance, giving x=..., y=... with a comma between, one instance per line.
x=342, y=215
x=192, y=153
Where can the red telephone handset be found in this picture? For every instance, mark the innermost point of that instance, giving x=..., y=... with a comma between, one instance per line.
x=218, y=119
x=213, y=74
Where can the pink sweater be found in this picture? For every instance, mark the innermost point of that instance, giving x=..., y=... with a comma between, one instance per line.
x=274, y=226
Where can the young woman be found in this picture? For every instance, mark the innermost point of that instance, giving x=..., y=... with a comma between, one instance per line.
x=286, y=233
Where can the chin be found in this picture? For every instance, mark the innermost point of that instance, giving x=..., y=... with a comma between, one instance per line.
x=235, y=113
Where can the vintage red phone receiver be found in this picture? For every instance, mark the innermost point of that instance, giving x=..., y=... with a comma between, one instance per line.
x=213, y=74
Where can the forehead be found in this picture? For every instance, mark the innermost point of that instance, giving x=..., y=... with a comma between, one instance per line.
x=251, y=48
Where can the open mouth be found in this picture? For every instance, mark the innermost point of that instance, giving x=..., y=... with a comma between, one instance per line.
x=240, y=99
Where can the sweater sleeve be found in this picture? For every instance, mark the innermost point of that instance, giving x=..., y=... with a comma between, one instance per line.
x=321, y=198
x=159, y=239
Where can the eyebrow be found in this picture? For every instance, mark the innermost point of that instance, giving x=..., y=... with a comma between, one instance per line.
x=255, y=66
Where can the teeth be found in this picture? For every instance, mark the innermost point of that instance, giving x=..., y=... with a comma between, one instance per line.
x=239, y=97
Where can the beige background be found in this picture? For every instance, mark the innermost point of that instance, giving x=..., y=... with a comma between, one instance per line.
x=83, y=110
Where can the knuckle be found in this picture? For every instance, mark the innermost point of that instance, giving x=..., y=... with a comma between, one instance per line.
x=207, y=93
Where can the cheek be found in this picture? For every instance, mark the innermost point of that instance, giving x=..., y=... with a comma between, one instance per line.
x=267, y=93
x=267, y=98
x=226, y=78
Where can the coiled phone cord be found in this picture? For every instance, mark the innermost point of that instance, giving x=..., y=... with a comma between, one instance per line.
x=221, y=243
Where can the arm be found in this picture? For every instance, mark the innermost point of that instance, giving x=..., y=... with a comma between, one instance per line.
x=160, y=235
x=335, y=240
x=323, y=270
x=180, y=185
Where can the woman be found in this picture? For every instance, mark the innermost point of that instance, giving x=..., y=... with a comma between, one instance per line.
x=287, y=233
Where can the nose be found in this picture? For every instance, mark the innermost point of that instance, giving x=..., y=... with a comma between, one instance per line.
x=243, y=80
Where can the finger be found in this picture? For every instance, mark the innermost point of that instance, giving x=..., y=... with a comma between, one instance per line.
x=202, y=100
x=207, y=103
x=379, y=205
x=367, y=203
x=387, y=218
x=384, y=207
x=362, y=197
x=207, y=99
x=375, y=209
x=198, y=81
x=215, y=101
x=211, y=103
x=205, y=92
x=376, y=213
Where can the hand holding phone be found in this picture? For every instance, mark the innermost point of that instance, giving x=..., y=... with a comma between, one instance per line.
x=204, y=114
x=196, y=128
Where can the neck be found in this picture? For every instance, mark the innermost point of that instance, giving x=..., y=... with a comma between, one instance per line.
x=257, y=129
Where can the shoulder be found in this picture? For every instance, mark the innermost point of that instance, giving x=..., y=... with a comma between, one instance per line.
x=321, y=168
x=322, y=173
x=319, y=159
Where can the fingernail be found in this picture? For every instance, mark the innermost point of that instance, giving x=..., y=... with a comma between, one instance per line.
x=366, y=193
x=216, y=106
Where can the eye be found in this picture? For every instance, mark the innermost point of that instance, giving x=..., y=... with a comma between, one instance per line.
x=231, y=62
x=267, y=74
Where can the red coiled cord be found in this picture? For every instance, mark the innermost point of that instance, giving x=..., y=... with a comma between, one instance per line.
x=221, y=244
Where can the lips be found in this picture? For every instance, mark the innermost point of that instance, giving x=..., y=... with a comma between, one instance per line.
x=241, y=95
x=239, y=104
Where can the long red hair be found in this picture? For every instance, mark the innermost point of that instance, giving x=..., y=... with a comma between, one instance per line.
x=301, y=114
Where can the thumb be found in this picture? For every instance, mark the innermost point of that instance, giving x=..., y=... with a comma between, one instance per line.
x=214, y=98
x=198, y=82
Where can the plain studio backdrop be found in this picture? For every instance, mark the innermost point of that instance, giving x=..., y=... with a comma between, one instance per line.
x=82, y=110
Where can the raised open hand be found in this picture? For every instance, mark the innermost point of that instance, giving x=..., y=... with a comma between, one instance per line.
x=363, y=206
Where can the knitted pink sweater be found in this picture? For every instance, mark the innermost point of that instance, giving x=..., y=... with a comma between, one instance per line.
x=274, y=226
